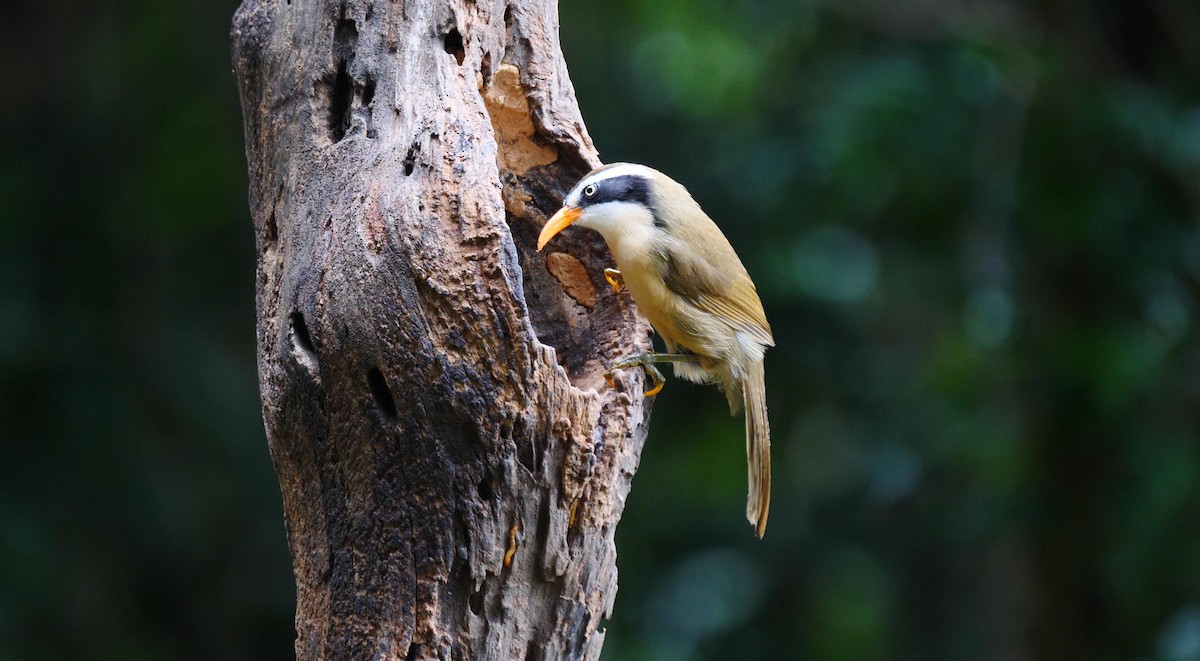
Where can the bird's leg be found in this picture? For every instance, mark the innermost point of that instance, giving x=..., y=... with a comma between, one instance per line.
x=611, y=276
x=647, y=362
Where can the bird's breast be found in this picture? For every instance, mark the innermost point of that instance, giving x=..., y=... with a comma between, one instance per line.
x=678, y=322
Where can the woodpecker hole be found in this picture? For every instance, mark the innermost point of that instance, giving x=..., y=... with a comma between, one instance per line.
x=476, y=601
x=453, y=43
x=410, y=159
x=485, y=490
x=341, y=88
x=368, y=92
x=271, y=231
x=339, y=104
x=300, y=337
x=382, y=394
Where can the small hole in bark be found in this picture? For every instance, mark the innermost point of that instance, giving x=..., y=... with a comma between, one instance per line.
x=414, y=652
x=300, y=336
x=533, y=652
x=368, y=93
x=476, y=601
x=339, y=106
x=410, y=159
x=382, y=394
x=526, y=454
x=272, y=229
x=341, y=96
x=543, y=522
x=345, y=33
x=485, y=489
x=453, y=43
x=508, y=17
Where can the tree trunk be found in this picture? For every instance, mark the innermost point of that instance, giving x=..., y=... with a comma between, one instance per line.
x=452, y=463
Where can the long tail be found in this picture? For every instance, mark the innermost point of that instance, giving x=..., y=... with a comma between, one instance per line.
x=758, y=447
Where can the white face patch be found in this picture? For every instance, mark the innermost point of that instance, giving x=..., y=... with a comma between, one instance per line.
x=607, y=217
x=616, y=202
x=628, y=228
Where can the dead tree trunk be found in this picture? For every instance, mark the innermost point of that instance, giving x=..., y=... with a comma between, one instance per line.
x=452, y=464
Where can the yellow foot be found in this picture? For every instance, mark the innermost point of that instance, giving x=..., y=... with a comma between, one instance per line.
x=611, y=277
x=644, y=361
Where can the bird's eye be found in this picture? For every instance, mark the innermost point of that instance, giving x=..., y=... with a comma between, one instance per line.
x=589, y=190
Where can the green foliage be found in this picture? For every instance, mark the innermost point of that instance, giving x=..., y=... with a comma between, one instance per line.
x=139, y=517
x=974, y=230
x=976, y=240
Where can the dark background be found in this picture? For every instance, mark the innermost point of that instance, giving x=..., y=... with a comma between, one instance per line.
x=974, y=227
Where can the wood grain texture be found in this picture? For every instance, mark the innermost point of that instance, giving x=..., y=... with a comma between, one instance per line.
x=452, y=464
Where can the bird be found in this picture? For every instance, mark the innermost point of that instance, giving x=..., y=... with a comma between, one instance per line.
x=685, y=277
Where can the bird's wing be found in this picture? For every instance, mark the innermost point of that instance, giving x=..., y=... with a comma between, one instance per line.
x=729, y=296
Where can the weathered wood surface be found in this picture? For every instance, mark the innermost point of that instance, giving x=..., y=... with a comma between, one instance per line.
x=432, y=387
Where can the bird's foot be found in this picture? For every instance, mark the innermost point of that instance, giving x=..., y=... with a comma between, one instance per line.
x=657, y=377
x=612, y=277
x=646, y=361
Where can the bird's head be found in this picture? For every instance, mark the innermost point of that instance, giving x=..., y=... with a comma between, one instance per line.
x=611, y=199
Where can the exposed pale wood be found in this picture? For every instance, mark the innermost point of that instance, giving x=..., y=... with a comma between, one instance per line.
x=433, y=396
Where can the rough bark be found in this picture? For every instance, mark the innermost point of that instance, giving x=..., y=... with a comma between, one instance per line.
x=452, y=464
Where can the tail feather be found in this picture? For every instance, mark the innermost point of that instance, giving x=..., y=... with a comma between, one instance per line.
x=758, y=447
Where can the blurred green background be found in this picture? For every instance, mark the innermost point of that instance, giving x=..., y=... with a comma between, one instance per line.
x=974, y=227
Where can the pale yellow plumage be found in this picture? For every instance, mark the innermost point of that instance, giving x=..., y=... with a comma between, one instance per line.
x=688, y=281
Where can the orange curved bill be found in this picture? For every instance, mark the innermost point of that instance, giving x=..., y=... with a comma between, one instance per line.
x=557, y=223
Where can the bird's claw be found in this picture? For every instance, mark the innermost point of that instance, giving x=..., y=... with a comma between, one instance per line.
x=655, y=390
x=611, y=277
x=640, y=360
